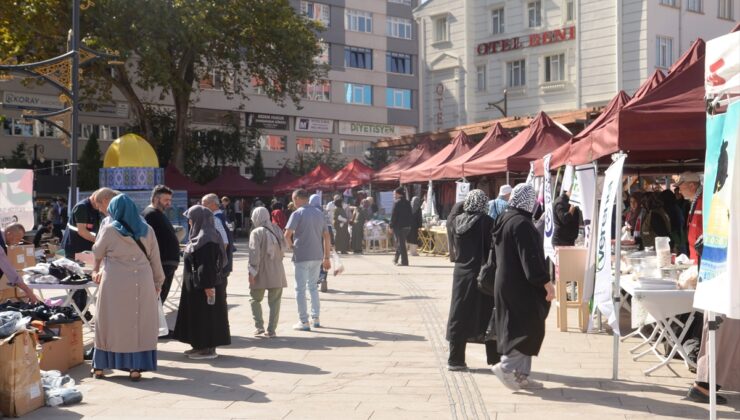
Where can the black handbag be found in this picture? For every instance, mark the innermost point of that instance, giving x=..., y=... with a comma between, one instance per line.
x=487, y=273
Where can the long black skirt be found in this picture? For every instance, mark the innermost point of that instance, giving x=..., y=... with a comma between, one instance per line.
x=199, y=324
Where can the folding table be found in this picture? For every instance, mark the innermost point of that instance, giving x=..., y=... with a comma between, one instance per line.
x=91, y=288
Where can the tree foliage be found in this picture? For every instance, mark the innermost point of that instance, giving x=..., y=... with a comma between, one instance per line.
x=211, y=150
x=90, y=164
x=17, y=159
x=377, y=158
x=258, y=169
x=305, y=162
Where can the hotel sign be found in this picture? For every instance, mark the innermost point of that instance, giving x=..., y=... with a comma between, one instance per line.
x=373, y=129
x=534, y=40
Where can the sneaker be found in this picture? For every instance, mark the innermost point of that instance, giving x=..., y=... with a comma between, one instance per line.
x=528, y=383
x=259, y=331
x=457, y=368
x=508, y=379
x=302, y=326
x=697, y=396
x=189, y=352
x=316, y=323
x=270, y=334
x=207, y=354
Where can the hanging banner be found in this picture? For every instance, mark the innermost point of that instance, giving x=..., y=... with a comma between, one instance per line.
x=530, y=176
x=722, y=65
x=584, y=191
x=603, y=288
x=567, y=183
x=429, y=209
x=461, y=190
x=549, y=225
x=16, y=197
x=718, y=289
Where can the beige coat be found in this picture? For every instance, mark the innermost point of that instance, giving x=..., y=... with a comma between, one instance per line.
x=728, y=355
x=126, y=318
x=268, y=272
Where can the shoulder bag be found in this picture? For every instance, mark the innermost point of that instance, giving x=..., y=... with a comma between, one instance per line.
x=487, y=273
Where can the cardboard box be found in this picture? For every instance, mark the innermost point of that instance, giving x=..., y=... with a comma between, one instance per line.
x=9, y=292
x=66, y=352
x=20, y=377
x=22, y=256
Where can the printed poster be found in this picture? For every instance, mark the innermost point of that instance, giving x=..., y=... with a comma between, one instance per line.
x=567, y=180
x=461, y=190
x=549, y=225
x=584, y=190
x=16, y=197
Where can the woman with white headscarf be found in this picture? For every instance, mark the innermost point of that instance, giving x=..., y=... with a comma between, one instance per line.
x=470, y=310
x=266, y=272
x=522, y=292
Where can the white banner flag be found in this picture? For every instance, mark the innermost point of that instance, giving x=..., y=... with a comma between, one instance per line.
x=584, y=189
x=461, y=190
x=603, y=289
x=530, y=177
x=567, y=180
x=16, y=197
x=722, y=65
x=549, y=225
x=430, y=210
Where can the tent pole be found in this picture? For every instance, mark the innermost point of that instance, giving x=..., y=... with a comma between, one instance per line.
x=507, y=178
x=713, y=326
x=617, y=292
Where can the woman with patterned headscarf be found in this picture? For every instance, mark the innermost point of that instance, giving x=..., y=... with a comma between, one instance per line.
x=470, y=310
x=522, y=290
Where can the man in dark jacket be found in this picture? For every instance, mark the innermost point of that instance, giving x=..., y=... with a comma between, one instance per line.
x=566, y=218
x=169, y=246
x=401, y=220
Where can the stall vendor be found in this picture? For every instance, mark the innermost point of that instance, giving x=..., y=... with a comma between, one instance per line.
x=13, y=234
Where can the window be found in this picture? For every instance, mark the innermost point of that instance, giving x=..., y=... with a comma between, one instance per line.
x=726, y=10
x=398, y=98
x=212, y=80
x=663, y=51
x=398, y=27
x=318, y=91
x=671, y=3
x=359, y=58
x=273, y=143
x=316, y=11
x=404, y=2
x=497, y=19
x=555, y=68
x=353, y=147
x=312, y=145
x=570, y=10
x=358, y=94
x=18, y=127
x=481, y=78
x=398, y=63
x=695, y=6
x=47, y=130
x=516, y=71
x=323, y=57
x=440, y=29
x=534, y=13
x=358, y=21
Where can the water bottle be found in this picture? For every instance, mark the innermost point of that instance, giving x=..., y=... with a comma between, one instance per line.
x=211, y=299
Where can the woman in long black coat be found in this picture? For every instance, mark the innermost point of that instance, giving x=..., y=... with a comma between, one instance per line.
x=470, y=310
x=522, y=291
x=202, y=325
x=413, y=237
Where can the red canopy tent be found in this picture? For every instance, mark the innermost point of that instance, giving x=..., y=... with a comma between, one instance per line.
x=283, y=176
x=232, y=183
x=460, y=145
x=495, y=138
x=670, y=118
x=561, y=155
x=352, y=175
x=319, y=173
x=392, y=173
x=541, y=137
x=175, y=180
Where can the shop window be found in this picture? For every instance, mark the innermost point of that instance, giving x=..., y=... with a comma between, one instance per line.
x=313, y=145
x=353, y=147
x=273, y=143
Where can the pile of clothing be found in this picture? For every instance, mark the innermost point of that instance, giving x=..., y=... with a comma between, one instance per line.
x=61, y=271
x=59, y=389
x=39, y=312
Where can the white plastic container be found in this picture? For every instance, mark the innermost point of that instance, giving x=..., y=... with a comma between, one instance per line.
x=663, y=251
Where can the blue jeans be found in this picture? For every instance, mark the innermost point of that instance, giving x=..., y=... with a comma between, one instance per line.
x=307, y=273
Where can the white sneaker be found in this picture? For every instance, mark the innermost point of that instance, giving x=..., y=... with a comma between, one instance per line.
x=206, y=354
x=302, y=326
x=528, y=383
x=316, y=323
x=508, y=379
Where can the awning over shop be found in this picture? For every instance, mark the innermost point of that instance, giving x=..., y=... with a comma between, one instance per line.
x=392, y=173
x=352, y=175
x=422, y=172
x=495, y=138
x=319, y=173
x=233, y=184
x=541, y=137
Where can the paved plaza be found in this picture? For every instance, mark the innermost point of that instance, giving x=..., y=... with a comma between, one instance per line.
x=381, y=354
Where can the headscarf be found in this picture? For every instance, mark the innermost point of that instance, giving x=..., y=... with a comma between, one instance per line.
x=415, y=203
x=261, y=218
x=203, y=230
x=523, y=197
x=314, y=200
x=475, y=202
x=338, y=202
x=123, y=211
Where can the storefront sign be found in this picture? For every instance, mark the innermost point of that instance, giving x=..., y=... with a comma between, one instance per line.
x=533, y=40
x=373, y=129
x=31, y=100
x=118, y=109
x=267, y=121
x=316, y=125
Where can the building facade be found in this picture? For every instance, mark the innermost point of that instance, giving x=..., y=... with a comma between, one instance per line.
x=550, y=55
x=372, y=91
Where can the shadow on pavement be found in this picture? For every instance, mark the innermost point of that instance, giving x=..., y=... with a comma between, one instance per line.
x=309, y=342
x=371, y=335
x=371, y=301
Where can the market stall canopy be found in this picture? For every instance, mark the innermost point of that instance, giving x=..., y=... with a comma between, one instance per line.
x=422, y=172
x=495, y=138
x=561, y=155
x=283, y=176
x=670, y=119
x=130, y=151
x=651, y=83
x=541, y=137
x=320, y=172
x=175, y=180
x=233, y=184
x=352, y=175
x=392, y=172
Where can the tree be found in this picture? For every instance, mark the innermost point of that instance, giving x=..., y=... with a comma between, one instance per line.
x=211, y=150
x=376, y=158
x=307, y=161
x=17, y=159
x=258, y=169
x=90, y=164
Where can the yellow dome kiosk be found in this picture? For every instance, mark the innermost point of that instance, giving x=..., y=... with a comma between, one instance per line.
x=131, y=164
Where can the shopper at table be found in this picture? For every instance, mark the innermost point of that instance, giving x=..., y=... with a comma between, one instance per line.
x=266, y=273
x=689, y=183
x=169, y=245
x=470, y=310
x=203, y=317
x=129, y=271
x=79, y=236
x=340, y=222
x=43, y=232
x=101, y=198
x=634, y=216
x=401, y=221
x=677, y=220
x=13, y=234
x=656, y=222
x=359, y=218
x=497, y=207
x=566, y=218
x=416, y=224
x=523, y=291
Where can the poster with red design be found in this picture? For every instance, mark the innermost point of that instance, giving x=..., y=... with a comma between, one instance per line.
x=16, y=197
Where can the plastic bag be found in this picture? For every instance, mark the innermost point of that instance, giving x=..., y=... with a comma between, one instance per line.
x=59, y=389
x=10, y=322
x=336, y=264
x=164, y=329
